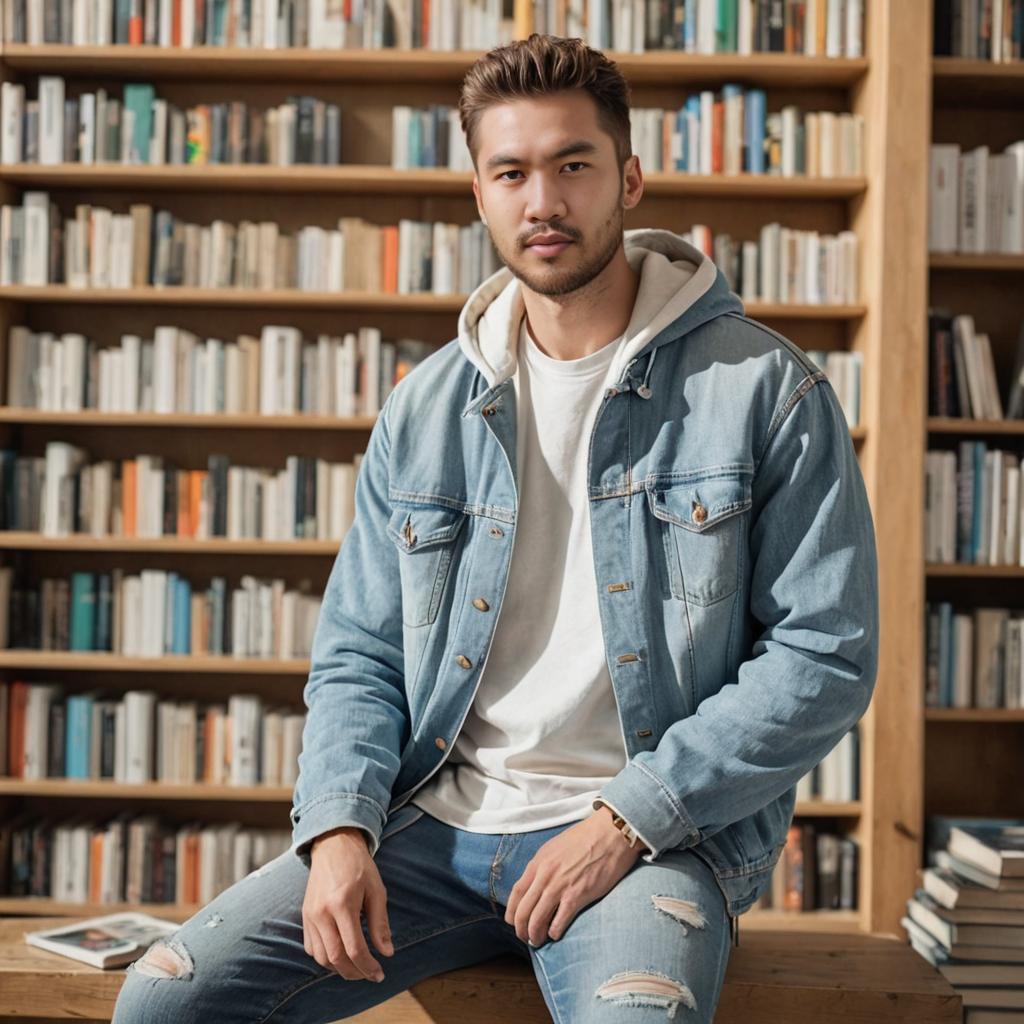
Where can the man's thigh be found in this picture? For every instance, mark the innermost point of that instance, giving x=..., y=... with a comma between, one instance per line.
x=242, y=957
x=654, y=947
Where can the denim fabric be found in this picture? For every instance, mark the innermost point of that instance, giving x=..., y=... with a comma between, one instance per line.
x=736, y=565
x=635, y=955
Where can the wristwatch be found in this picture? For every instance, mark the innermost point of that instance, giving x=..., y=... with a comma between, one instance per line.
x=624, y=827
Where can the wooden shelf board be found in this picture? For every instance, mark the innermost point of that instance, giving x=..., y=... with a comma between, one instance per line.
x=102, y=788
x=828, y=808
x=191, y=663
x=961, y=425
x=981, y=572
x=420, y=65
x=976, y=261
x=26, y=540
x=369, y=179
x=292, y=298
x=959, y=81
x=810, y=921
x=40, y=906
x=184, y=421
x=105, y=788
x=1005, y=715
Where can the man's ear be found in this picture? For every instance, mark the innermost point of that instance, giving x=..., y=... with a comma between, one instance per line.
x=476, y=194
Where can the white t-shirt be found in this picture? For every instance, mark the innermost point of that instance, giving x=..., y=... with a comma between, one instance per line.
x=543, y=734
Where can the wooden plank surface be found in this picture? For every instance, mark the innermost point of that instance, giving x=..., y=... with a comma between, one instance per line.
x=772, y=976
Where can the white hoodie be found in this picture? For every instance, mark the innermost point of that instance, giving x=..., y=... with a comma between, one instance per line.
x=543, y=734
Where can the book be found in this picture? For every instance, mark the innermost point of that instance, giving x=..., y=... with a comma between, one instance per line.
x=110, y=941
x=994, y=848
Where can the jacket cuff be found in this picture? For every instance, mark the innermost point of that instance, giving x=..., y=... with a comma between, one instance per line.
x=657, y=817
x=335, y=810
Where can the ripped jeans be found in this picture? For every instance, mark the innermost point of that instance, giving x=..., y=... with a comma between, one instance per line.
x=652, y=949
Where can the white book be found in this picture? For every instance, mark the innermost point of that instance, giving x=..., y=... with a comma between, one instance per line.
x=12, y=102
x=963, y=660
x=244, y=711
x=154, y=583
x=36, y=253
x=62, y=461
x=139, y=712
x=943, y=197
x=51, y=119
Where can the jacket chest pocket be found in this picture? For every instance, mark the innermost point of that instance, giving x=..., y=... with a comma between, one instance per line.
x=425, y=538
x=701, y=522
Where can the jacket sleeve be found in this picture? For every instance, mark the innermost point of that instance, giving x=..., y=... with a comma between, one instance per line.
x=811, y=673
x=357, y=718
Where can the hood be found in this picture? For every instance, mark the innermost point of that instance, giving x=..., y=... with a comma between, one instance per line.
x=676, y=278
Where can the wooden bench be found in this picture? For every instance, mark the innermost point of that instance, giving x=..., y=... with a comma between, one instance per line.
x=797, y=977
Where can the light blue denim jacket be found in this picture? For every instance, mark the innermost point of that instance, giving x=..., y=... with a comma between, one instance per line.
x=736, y=564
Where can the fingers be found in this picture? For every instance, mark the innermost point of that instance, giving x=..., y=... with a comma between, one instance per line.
x=377, y=918
x=355, y=945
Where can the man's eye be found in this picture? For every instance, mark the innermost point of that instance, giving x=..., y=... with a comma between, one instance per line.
x=503, y=173
x=576, y=163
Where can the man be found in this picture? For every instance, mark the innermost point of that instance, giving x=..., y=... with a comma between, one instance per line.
x=610, y=592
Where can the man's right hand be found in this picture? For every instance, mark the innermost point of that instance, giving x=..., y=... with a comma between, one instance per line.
x=343, y=881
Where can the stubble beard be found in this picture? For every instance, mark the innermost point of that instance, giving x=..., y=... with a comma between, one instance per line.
x=581, y=270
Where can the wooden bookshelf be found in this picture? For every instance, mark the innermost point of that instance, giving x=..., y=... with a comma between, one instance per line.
x=96, y=661
x=412, y=66
x=293, y=298
x=884, y=327
x=974, y=103
x=370, y=179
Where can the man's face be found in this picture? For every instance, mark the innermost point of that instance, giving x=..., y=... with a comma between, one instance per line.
x=546, y=167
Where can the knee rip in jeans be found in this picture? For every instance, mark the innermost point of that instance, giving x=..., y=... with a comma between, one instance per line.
x=650, y=988
x=165, y=960
x=647, y=988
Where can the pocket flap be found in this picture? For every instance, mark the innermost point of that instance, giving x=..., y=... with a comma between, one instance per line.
x=697, y=505
x=414, y=528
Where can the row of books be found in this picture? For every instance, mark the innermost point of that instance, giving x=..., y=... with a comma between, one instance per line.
x=962, y=377
x=130, y=858
x=140, y=737
x=975, y=658
x=430, y=136
x=979, y=29
x=732, y=132
x=156, y=612
x=830, y=28
x=974, y=508
x=98, y=248
x=966, y=918
x=976, y=199
x=817, y=871
x=785, y=265
x=176, y=371
x=140, y=128
x=836, y=777
x=60, y=494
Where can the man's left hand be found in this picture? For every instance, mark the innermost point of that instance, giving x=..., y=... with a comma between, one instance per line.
x=569, y=872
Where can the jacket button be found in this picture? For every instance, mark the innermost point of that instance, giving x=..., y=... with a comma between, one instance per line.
x=496, y=531
x=463, y=661
x=609, y=392
x=479, y=602
x=700, y=513
x=440, y=743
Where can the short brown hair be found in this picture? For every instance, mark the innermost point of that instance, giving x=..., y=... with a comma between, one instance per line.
x=538, y=66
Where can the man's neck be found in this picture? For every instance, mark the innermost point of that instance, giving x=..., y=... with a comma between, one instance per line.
x=575, y=325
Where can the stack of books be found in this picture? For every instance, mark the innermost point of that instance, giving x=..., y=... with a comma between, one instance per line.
x=967, y=918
